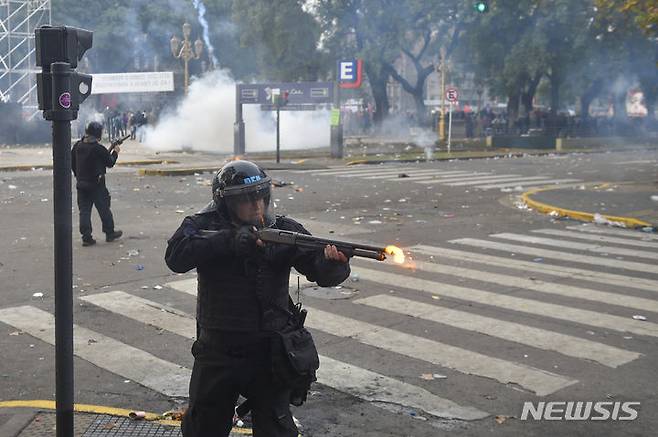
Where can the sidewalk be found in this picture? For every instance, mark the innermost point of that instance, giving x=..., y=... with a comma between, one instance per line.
x=88, y=421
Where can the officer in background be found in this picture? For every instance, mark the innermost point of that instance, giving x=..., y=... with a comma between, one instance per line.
x=89, y=160
x=232, y=353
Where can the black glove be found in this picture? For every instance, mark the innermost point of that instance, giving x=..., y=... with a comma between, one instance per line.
x=244, y=242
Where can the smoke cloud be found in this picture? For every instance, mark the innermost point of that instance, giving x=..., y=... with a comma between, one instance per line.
x=203, y=121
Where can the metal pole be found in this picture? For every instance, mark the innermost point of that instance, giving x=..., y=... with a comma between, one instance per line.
x=442, y=122
x=449, y=126
x=62, y=201
x=277, y=134
x=238, y=126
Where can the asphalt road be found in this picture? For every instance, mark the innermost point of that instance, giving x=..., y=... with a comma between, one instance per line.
x=497, y=309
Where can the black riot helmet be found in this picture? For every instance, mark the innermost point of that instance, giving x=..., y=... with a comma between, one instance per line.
x=243, y=189
x=94, y=129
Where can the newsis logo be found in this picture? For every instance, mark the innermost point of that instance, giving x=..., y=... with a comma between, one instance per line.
x=580, y=410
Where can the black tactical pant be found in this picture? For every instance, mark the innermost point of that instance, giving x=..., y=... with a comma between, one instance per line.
x=225, y=367
x=95, y=196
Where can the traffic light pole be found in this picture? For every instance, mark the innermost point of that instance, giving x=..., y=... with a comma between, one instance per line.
x=61, y=116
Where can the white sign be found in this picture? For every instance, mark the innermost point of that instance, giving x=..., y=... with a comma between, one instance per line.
x=347, y=71
x=452, y=95
x=132, y=82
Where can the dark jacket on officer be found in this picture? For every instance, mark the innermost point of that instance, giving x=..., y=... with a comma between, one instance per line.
x=90, y=159
x=229, y=286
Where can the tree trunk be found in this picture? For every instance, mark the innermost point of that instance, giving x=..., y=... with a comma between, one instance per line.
x=555, y=81
x=513, y=101
x=378, y=79
x=528, y=96
x=588, y=97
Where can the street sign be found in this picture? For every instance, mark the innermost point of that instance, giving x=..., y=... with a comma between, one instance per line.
x=298, y=93
x=452, y=95
x=350, y=73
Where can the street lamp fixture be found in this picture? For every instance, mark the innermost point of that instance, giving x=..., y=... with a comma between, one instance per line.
x=184, y=50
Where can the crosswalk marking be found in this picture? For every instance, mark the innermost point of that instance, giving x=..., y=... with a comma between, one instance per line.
x=601, y=238
x=369, y=173
x=539, y=381
x=541, y=286
x=539, y=338
x=375, y=387
x=524, y=184
x=445, y=355
x=351, y=169
x=454, y=178
x=365, y=172
x=162, y=317
x=564, y=256
x=419, y=173
x=615, y=231
x=129, y=362
x=596, y=248
x=561, y=312
x=188, y=286
x=509, y=178
x=435, y=177
x=527, y=266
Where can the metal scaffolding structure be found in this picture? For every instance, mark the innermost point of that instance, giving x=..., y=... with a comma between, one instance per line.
x=18, y=20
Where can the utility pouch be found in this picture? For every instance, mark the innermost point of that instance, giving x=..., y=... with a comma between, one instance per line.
x=294, y=356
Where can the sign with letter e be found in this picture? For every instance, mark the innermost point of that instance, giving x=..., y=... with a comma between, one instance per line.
x=350, y=73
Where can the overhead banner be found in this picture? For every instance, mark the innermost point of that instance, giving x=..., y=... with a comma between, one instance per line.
x=115, y=83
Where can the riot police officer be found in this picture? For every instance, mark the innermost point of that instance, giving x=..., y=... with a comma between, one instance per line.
x=89, y=161
x=232, y=354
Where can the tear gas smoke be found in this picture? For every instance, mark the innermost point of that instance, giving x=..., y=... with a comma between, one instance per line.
x=201, y=10
x=204, y=120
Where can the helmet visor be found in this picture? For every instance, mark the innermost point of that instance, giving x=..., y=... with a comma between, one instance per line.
x=250, y=208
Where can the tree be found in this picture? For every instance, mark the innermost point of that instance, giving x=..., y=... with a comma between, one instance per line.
x=283, y=39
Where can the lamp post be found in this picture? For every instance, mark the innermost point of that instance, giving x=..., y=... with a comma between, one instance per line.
x=184, y=50
x=442, y=69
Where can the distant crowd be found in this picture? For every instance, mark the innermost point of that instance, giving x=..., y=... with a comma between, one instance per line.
x=121, y=123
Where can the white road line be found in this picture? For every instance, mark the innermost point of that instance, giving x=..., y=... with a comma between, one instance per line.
x=462, y=360
x=188, y=286
x=148, y=312
x=615, y=231
x=596, y=248
x=555, y=254
x=543, y=309
x=523, y=184
x=437, y=178
x=419, y=173
x=129, y=362
x=354, y=169
x=369, y=171
x=618, y=299
x=152, y=313
x=375, y=387
x=538, y=338
x=423, y=349
x=600, y=238
x=508, y=178
x=482, y=177
x=527, y=266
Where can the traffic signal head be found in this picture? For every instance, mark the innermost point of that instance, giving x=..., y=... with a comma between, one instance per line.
x=481, y=6
x=61, y=44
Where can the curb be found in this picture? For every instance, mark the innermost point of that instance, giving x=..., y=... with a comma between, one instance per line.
x=86, y=408
x=28, y=167
x=544, y=208
x=187, y=171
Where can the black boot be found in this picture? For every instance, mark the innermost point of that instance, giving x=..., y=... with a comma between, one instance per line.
x=114, y=235
x=88, y=241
